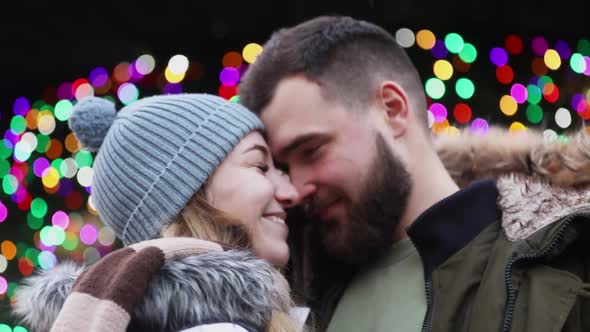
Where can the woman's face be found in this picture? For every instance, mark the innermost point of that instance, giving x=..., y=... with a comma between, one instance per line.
x=249, y=188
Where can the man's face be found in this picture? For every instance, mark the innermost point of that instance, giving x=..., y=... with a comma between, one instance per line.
x=355, y=188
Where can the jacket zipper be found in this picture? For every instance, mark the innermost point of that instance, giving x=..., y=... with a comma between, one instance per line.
x=428, y=318
x=428, y=288
x=511, y=294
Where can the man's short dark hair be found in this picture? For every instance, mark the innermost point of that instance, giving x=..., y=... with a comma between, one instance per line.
x=345, y=56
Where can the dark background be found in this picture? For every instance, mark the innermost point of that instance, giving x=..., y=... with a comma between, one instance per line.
x=45, y=43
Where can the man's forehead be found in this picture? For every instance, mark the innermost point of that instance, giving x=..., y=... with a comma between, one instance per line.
x=282, y=134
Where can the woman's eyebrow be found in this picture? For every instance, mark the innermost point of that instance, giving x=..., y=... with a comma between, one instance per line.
x=260, y=148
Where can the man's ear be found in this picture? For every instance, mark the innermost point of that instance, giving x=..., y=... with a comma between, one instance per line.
x=393, y=102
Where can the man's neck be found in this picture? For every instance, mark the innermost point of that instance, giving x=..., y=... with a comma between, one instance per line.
x=431, y=184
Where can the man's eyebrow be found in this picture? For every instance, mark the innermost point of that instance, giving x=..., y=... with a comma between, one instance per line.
x=260, y=148
x=296, y=143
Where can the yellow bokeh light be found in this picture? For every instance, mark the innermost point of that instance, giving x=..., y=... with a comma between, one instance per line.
x=454, y=131
x=517, y=128
x=251, y=52
x=50, y=177
x=46, y=123
x=443, y=69
x=171, y=77
x=552, y=59
x=508, y=105
x=425, y=39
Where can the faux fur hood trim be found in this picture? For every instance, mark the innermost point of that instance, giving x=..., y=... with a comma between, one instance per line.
x=469, y=157
x=539, y=181
x=528, y=205
x=229, y=286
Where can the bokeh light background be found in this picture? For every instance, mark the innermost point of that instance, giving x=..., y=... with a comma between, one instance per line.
x=46, y=210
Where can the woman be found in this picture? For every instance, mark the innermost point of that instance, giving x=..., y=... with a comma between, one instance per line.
x=189, y=165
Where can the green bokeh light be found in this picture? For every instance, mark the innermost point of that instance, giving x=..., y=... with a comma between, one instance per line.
x=5, y=151
x=38, y=207
x=37, y=104
x=534, y=113
x=21, y=153
x=46, y=260
x=435, y=88
x=32, y=254
x=584, y=47
x=468, y=54
x=454, y=43
x=464, y=88
x=4, y=167
x=63, y=110
x=59, y=236
x=52, y=236
x=46, y=107
x=19, y=328
x=544, y=80
x=83, y=158
x=46, y=235
x=21, y=247
x=9, y=184
x=33, y=222
x=110, y=98
x=56, y=163
x=42, y=143
x=18, y=124
x=578, y=63
x=12, y=287
x=70, y=243
x=5, y=328
x=534, y=94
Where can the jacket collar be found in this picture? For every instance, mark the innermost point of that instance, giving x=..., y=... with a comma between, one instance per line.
x=447, y=226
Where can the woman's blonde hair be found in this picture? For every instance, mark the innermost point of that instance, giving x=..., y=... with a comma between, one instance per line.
x=201, y=220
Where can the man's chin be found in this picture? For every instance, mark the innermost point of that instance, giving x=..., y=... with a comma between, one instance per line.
x=343, y=246
x=353, y=245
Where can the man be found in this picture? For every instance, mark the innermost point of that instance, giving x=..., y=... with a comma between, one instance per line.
x=345, y=113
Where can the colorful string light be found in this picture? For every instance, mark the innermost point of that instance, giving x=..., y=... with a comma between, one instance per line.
x=40, y=159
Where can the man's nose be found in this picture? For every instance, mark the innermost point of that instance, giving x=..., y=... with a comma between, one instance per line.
x=302, y=180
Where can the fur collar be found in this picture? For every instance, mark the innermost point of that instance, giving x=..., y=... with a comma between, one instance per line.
x=528, y=204
x=469, y=157
x=229, y=286
x=539, y=181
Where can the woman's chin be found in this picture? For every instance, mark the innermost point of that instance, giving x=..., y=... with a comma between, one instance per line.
x=277, y=254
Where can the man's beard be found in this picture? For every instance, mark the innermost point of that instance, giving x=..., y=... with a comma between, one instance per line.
x=372, y=221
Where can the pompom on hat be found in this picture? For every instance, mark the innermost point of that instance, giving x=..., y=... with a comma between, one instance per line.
x=92, y=120
x=155, y=154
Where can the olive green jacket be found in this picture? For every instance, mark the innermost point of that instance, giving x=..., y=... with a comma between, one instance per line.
x=526, y=271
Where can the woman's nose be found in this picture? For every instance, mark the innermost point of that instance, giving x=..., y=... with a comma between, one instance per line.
x=285, y=192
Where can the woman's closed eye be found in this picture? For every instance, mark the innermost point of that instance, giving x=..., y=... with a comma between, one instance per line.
x=264, y=168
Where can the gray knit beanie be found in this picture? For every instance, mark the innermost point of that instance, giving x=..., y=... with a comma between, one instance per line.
x=155, y=154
